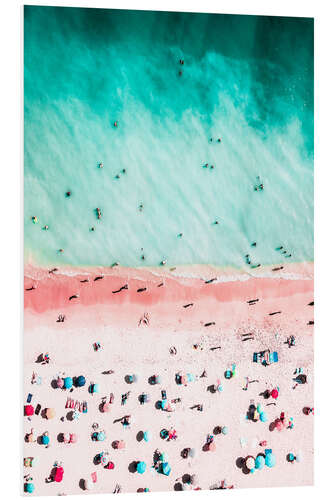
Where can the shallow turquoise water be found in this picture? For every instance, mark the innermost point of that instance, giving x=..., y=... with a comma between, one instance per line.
x=246, y=79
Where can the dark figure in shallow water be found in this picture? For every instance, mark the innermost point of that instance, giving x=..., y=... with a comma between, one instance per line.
x=85, y=280
x=98, y=278
x=68, y=193
x=31, y=288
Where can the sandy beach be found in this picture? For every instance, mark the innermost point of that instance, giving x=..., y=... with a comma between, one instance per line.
x=207, y=336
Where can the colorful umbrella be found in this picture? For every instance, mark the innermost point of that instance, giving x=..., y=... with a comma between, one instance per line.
x=60, y=383
x=263, y=416
x=80, y=381
x=250, y=463
x=141, y=467
x=166, y=469
x=275, y=393
x=146, y=436
x=259, y=462
x=28, y=410
x=270, y=460
x=212, y=446
x=68, y=382
x=50, y=413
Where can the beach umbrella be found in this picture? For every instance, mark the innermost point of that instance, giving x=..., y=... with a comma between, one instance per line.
x=60, y=383
x=259, y=462
x=59, y=474
x=66, y=437
x=28, y=410
x=29, y=487
x=110, y=465
x=263, y=416
x=50, y=413
x=250, y=463
x=212, y=446
x=73, y=438
x=95, y=388
x=270, y=460
x=80, y=381
x=278, y=425
x=298, y=457
x=190, y=377
x=146, y=436
x=225, y=430
x=141, y=467
x=45, y=439
x=68, y=382
x=163, y=404
x=101, y=436
x=88, y=484
x=105, y=407
x=166, y=469
x=275, y=393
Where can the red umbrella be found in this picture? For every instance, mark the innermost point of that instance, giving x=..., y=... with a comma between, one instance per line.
x=59, y=474
x=278, y=425
x=28, y=410
x=275, y=393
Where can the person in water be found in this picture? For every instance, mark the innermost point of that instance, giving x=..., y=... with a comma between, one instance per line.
x=34, y=219
x=68, y=194
x=46, y=228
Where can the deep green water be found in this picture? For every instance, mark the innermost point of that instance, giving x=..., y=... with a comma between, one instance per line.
x=246, y=79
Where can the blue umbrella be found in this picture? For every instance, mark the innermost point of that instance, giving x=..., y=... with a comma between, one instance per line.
x=225, y=430
x=263, y=416
x=45, y=439
x=141, y=467
x=259, y=462
x=166, y=469
x=270, y=460
x=29, y=487
x=163, y=404
x=80, y=381
x=101, y=436
x=68, y=382
x=146, y=436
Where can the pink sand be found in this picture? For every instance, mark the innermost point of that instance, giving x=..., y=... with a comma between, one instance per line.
x=112, y=319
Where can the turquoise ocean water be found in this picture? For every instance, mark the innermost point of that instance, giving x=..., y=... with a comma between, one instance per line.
x=246, y=79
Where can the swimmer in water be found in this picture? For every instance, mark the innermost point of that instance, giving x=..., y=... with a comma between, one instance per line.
x=215, y=222
x=205, y=165
x=254, y=244
x=45, y=228
x=212, y=166
x=219, y=140
x=68, y=193
x=99, y=213
x=61, y=250
x=34, y=219
x=141, y=207
x=163, y=262
x=92, y=228
x=124, y=170
x=180, y=73
x=115, y=124
x=180, y=235
x=100, y=165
